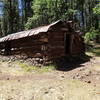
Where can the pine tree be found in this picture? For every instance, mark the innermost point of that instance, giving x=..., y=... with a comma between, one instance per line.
x=10, y=18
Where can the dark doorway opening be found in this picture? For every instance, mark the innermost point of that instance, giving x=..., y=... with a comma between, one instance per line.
x=67, y=43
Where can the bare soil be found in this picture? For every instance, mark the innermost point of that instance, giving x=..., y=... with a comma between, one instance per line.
x=79, y=83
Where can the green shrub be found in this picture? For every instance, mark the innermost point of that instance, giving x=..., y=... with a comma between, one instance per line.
x=91, y=34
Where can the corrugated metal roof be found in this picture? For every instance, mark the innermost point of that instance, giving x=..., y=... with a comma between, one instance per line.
x=28, y=33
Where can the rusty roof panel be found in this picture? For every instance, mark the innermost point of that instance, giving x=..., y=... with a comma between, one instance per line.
x=18, y=35
x=27, y=33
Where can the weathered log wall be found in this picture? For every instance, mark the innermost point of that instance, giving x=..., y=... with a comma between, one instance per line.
x=77, y=45
x=56, y=44
x=31, y=46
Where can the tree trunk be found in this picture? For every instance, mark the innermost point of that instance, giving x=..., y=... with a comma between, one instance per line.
x=11, y=15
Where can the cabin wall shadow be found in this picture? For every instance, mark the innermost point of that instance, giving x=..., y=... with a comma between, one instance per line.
x=71, y=62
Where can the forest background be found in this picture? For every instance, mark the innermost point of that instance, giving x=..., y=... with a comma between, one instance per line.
x=19, y=15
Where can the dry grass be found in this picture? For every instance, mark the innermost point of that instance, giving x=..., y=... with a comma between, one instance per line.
x=30, y=68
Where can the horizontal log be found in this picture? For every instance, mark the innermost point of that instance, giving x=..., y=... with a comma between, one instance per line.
x=55, y=52
x=56, y=35
x=56, y=39
x=43, y=39
x=56, y=47
x=25, y=44
x=64, y=29
x=28, y=49
x=57, y=43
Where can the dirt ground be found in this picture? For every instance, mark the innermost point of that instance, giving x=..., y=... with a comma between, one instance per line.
x=79, y=83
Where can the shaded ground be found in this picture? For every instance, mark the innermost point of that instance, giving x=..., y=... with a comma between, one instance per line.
x=79, y=82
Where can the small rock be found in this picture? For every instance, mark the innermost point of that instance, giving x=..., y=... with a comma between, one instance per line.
x=77, y=74
x=60, y=98
x=8, y=78
x=88, y=73
x=39, y=65
x=21, y=60
x=41, y=60
x=73, y=77
x=10, y=99
x=46, y=92
x=62, y=77
x=81, y=69
x=88, y=81
x=80, y=77
x=37, y=59
x=18, y=80
x=9, y=61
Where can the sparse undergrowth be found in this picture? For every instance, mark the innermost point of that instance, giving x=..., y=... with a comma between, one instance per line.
x=30, y=68
x=93, y=50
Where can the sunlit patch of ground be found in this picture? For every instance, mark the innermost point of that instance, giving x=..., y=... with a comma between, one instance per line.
x=96, y=64
x=11, y=68
x=47, y=89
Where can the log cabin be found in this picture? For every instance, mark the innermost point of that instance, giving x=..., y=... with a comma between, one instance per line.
x=49, y=42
